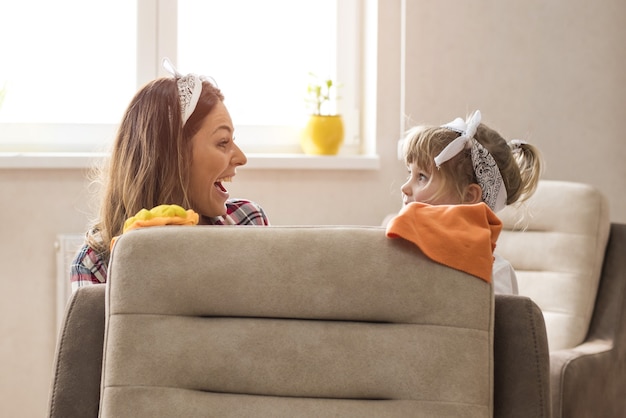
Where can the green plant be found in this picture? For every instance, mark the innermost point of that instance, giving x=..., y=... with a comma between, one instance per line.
x=321, y=95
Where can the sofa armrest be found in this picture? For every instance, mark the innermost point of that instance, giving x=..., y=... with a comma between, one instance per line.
x=75, y=390
x=589, y=380
x=576, y=385
x=521, y=359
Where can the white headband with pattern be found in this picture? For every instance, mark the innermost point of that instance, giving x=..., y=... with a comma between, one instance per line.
x=189, y=89
x=485, y=167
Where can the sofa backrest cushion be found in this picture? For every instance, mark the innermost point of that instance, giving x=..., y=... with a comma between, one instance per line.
x=291, y=321
x=558, y=257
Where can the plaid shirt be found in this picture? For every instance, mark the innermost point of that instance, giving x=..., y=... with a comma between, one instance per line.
x=89, y=268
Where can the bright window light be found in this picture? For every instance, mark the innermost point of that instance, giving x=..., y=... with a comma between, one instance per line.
x=68, y=70
x=259, y=52
x=67, y=61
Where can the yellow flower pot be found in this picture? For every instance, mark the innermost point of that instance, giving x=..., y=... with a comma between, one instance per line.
x=323, y=135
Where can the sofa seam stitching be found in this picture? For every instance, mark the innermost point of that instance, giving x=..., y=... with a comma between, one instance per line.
x=533, y=329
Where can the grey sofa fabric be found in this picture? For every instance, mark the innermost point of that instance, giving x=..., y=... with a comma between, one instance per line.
x=291, y=321
x=75, y=389
x=520, y=359
x=521, y=367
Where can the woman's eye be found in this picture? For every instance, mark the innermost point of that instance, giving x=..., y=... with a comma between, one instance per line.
x=422, y=177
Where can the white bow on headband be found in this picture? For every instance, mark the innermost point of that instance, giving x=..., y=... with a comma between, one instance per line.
x=485, y=168
x=467, y=131
x=189, y=89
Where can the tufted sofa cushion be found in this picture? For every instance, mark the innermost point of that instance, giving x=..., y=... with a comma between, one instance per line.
x=558, y=257
x=291, y=321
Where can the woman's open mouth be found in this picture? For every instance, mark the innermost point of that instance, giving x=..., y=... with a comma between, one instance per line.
x=218, y=184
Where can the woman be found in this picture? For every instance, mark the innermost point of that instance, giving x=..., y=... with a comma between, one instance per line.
x=175, y=146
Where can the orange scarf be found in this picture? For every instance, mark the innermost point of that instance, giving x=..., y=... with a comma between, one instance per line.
x=459, y=236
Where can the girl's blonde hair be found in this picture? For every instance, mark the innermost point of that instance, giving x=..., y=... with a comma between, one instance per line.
x=150, y=159
x=520, y=163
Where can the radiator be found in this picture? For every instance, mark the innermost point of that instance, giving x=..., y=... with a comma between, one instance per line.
x=66, y=245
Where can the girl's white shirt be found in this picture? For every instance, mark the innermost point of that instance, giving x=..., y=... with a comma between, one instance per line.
x=504, y=278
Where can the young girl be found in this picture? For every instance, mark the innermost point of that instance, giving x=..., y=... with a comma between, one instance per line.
x=460, y=175
x=174, y=150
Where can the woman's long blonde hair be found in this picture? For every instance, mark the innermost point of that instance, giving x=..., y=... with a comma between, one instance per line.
x=150, y=158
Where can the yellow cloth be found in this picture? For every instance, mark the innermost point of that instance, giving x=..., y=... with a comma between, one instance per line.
x=459, y=236
x=160, y=215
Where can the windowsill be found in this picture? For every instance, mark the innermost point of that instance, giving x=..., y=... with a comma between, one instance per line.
x=75, y=160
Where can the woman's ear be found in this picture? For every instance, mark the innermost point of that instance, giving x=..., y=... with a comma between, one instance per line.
x=473, y=194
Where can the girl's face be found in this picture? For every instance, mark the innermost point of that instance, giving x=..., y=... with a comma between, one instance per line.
x=215, y=158
x=422, y=186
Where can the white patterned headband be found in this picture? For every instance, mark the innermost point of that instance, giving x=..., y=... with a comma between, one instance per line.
x=189, y=89
x=485, y=167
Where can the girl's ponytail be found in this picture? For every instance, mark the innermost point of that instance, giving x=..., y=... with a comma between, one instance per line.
x=529, y=161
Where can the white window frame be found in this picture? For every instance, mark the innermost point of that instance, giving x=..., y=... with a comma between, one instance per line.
x=160, y=17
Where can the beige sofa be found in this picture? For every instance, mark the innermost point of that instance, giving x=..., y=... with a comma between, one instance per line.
x=307, y=325
x=293, y=321
x=571, y=261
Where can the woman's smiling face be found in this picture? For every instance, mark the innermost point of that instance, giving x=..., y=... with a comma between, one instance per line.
x=215, y=158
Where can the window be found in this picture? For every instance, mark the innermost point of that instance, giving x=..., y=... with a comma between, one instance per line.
x=66, y=75
x=66, y=90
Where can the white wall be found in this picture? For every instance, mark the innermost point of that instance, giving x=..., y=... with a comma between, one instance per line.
x=551, y=72
x=37, y=204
